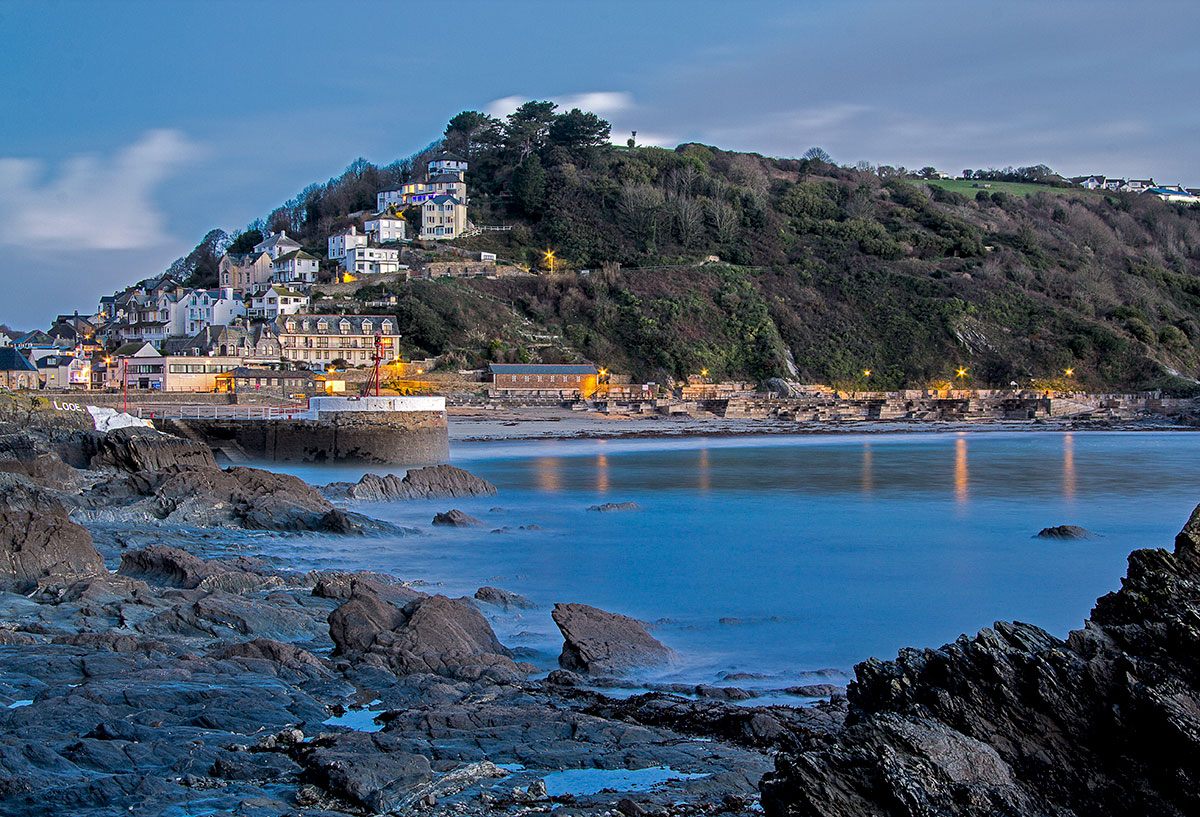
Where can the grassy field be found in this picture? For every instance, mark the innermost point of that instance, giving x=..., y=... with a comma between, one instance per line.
x=967, y=188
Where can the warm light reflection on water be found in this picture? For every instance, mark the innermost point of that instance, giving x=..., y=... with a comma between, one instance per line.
x=868, y=479
x=602, y=473
x=703, y=471
x=548, y=476
x=1068, y=479
x=962, y=479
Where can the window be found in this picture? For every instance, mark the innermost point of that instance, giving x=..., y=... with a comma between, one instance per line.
x=386, y=328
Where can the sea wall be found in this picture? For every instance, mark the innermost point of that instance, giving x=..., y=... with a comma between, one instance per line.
x=406, y=438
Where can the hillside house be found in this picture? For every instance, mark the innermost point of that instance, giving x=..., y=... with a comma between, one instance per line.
x=246, y=272
x=206, y=307
x=371, y=261
x=557, y=380
x=385, y=226
x=287, y=384
x=276, y=301
x=297, y=268
x=253, y=344
x=443, y=217
x=343, y=242
x=277, y=244
x=16, y=372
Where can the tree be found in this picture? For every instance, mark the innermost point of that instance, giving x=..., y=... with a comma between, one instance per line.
x=576, y=130
x=527, y=127
x=199, y=267
x=246, y=241
x=967, y=173
x=640, y=207
x=528, y=185
x=817, y=154
x=689, y=219
x=724, y=221
x=928, y=172
x=471, y=130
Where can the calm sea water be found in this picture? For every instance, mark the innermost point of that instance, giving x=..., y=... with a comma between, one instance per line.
x=781, y=556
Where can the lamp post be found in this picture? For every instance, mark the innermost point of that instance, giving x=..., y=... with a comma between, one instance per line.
x=125, y=381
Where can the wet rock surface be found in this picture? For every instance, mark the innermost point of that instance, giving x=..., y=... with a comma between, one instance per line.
x=431, y=482
x=38, y=541
x=1065, y=532
x=456, y=519
x=1016, y=721
x=597, y=641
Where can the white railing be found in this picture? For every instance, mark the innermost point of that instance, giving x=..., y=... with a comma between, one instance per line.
x=218, y=412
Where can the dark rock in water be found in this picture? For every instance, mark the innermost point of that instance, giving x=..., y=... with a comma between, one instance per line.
x=609, y=507
x=457, y=519
x=341, y=586
x=1065, y=532
x=503, y=598
x=1015, y=721
x=432, y=482
x=144, y=449
x=38, y=541
x=596, y=641
x=433, y=634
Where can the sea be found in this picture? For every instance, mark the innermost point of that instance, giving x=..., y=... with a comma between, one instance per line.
x=775, y=561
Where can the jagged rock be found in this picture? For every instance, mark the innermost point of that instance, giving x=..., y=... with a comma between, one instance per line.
x=609, y=507
x=596, y=641
x=1065, y=532
x=142, y=449
x=503, y=599
x=38, y=541
x=341, y=586
x=432, y=482
x=456, y=519
x=433, y=634
x=1016, y=721
x=285, y=655
x=30, y=455
x=159, y=564
x=372, y=770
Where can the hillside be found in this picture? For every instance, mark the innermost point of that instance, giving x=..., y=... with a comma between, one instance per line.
x=842, y=269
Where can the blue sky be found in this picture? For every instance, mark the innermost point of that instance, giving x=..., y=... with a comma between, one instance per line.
x=132, y=128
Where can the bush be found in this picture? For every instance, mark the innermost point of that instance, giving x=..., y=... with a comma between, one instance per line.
x=1140, y=330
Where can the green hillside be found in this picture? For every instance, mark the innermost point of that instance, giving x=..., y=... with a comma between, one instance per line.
x=842, y=269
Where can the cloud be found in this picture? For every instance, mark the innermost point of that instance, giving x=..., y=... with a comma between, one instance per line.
x=92, y=203
x=601, y=103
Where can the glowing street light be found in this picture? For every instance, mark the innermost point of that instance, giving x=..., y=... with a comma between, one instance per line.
x=960, y=372
x=704, y=372
x=866, y=372
x=549, y=256
x=1070, y=372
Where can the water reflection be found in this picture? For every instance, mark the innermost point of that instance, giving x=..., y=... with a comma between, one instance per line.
x=703, y=471
x=1068, y=476
x=961, y=477
x=602, y=473
x=549, y=477
x=867, y=481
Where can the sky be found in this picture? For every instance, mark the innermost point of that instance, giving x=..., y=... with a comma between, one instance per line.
x=132, y=128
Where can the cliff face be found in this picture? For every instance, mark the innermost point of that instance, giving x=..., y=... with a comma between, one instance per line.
x=1016, y=722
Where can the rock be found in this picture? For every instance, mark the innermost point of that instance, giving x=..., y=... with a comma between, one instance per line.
x=136, y=449
x=30, y=454
x=368, y=769
x=38, y=541
x=596, y=641
x=432, y=482
x=265, y=649
x=1016, y=721
x=456, y=519
x=609, y=507
x=1065, y=532
x=503, y=599
x=162, y=565
x=433, y=634
x=341, y=586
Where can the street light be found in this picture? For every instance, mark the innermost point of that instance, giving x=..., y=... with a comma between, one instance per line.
x=960, y=372
x=866, y=372
x=1070, y=372
x=549, y=256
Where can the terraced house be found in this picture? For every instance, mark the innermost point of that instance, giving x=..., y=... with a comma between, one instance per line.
x=318, y=340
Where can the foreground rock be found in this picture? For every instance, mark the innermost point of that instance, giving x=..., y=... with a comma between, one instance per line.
x=144, y=449
x=432, y=634
x=596, y=641
x=38, y=541
x=432, y=482
x=1065, y=532
x=1016, y=721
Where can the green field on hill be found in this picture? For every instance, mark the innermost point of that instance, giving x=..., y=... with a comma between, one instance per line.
x=968, y=187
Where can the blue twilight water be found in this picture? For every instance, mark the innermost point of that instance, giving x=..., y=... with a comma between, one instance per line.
x=781, y=556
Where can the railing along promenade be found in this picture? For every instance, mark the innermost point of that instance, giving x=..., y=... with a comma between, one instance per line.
x=163, y=412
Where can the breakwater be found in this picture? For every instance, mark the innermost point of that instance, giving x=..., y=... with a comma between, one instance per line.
x=393, y=430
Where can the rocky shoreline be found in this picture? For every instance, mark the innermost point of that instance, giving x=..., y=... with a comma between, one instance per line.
x=150, y=665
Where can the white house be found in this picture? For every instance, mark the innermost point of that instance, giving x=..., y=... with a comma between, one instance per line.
x=1092, y=182
x=276, y=301
x=371, y=260
x=1174, y=194
x=448, y=162
x=277, y=244
x=384, y=226
x=338, y=244
x=296, y=267
x=1138, y=185
x=213, y=307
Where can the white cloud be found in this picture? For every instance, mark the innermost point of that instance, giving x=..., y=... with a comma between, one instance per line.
x=601, y=103
x=92, y=203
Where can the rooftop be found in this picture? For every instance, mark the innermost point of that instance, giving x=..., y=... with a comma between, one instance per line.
x=542, y=368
